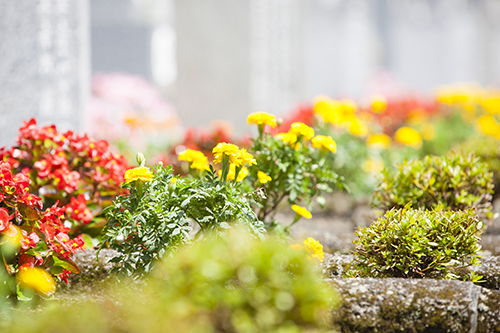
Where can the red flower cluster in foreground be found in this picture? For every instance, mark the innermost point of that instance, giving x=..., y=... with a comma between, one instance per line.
x=64, y=166
x=38, y=235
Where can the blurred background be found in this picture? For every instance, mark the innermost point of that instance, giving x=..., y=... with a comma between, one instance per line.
x=109, y=66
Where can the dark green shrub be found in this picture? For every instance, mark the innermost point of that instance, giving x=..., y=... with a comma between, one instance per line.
x=414, y=243
x=457, y=182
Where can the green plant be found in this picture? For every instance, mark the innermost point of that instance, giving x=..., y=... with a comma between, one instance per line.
x=291, y=167
x=153, y=219
x=414, y=243
x=235, y=283
x=456, y=182
x=488, y=149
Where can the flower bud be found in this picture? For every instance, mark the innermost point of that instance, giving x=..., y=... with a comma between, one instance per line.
x=140, y=159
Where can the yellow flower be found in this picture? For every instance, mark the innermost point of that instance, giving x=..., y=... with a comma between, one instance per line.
x=315, y=249
x=428, y=132
x=373, y=166
x=488, y=125
x=379, y=103
x=302, y=211
x=37, y=279
x=491, y=104
x=262, y=118
x=232, y=171
x=289, y=138
x=302, y=129
x=324, y=142
x=140, y=173
x=222, y=148
x=379, y=141
x=409, y=137
x=245, y=157
x=357, y=127
x=263, y=177
x=197, y=159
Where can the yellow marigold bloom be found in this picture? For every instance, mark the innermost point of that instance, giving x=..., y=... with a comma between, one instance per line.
x=262, y=118
x=232, y=172
x=488, y=125
x=357, y=127
x=491, y=104
x=37, y=279
x=289, y=138
x=245, y=157
x=409, y=137
x=373, y=166
x=140, y=173
x=302, y=211
x=302, y=129
x=379, y=103
x=196, y=158
x=327, y=108
x=315, y=249
x=222, y=148
x=263, y=177
x=324, y=142
x=379, y=141
x=428, y=132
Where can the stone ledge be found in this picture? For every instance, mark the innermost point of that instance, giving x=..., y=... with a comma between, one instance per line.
x=410, y=305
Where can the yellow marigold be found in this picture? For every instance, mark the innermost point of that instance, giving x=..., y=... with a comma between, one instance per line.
x=232, y=172
x=245, y=157
x=428, y=132
x=315, y=249
x=357, y=127
x=262, y=118
x=488, y=125
x=324, y=142
x=37, y=279
x=222, y=148
x=302, y=211
x=289, y=138
x=373, y=166
x=302, y=129
x=140, y=173
x=196, y=158
x=379, y=141
x=379, y=103
x=491, y=104
x=263, y=177
x=409, y=137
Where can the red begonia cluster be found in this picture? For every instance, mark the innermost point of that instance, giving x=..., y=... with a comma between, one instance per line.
x=79, y=172
x=36, y=234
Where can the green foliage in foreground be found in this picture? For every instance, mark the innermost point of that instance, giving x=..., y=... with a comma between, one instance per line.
x=153, y=219
x=457, y=182
x=232, y=284
x=413, y=243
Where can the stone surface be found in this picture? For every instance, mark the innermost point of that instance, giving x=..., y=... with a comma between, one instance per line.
x=92, y=272
x=490, y=270
x=44, y=64
x=406, y=305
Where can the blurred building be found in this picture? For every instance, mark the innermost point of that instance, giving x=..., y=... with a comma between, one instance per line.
x=224, y=59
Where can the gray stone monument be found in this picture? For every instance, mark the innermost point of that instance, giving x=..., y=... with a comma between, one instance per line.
x=237, y=57
x=44, y=64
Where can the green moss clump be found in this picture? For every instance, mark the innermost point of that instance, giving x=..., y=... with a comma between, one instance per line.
x=413, y=243
x=455, y=182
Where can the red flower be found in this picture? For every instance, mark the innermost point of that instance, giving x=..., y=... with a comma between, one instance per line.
x=77, y=209
x=5, y=219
